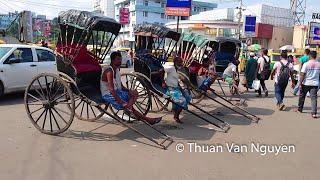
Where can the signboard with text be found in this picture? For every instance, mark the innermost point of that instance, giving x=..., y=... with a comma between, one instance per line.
x=250, y=25
x=178, y=7
x=315, y=16
x=124, y=16
x=314, y=33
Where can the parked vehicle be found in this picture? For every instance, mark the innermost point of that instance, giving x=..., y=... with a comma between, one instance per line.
x=20, y=63
x=276, y=56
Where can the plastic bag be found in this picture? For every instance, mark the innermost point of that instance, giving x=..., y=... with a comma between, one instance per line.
x=256, y=84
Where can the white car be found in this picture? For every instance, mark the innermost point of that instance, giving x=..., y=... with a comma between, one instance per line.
x=20, y=63
x=126, y=60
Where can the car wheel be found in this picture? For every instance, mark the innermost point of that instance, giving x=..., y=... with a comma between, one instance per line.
x=1, y=89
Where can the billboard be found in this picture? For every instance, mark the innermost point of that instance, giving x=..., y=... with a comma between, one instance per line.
x=314, y=33
x=124, y=16
x=41, y=27
x=178, y=7
x=250, y=25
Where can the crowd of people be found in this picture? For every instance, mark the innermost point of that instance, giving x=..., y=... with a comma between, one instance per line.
x=304, y=79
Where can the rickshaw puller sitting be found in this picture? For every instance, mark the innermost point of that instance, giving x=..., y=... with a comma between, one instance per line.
x=116, y=94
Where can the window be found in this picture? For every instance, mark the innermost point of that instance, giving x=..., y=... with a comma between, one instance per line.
x=24, y=54
x=171, y=17
x=204, y=9
x=4, y=51
x=146, y=3
x=163, y=16
x=163, y=5
x=44, y=55
x=195, y=9
x=133, y=13
x=145, y=14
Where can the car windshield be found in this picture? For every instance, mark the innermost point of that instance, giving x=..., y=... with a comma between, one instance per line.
x=4, y=51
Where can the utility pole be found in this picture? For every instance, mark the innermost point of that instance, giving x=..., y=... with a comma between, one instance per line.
x=240, y=8
x=298, y=8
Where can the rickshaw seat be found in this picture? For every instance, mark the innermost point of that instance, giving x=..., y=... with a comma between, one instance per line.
x=92, y=93
x=89, y=85
x=194, y=67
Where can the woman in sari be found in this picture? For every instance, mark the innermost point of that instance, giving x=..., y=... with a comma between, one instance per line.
x=251, y=69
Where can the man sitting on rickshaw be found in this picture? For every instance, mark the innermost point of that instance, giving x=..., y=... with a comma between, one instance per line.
x=114, y=93
x=206, y=75
x=230, y=76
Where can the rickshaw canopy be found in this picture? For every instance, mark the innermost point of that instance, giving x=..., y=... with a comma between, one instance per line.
x=156, y=30
x=85, y=20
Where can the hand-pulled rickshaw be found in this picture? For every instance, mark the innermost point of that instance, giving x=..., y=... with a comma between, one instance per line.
x=52, y=100
x=193, y=49
x=148, y=68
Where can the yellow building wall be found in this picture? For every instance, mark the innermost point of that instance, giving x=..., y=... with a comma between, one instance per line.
x=299, y=36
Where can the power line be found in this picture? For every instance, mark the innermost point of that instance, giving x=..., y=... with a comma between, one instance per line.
x=8, y=3
x=7, y=6
x=48, y=5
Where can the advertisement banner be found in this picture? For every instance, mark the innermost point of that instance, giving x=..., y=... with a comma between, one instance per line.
x=178, y=7
x=314, y=33
x=124, y=16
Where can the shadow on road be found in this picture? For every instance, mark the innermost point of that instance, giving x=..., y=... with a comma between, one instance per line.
x=187, y=131
x=12, y=99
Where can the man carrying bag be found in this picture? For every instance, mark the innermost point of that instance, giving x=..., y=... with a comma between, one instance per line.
x=263, y=72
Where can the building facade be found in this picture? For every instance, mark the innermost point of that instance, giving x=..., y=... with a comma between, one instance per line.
x=208, y=28
x=6, y=19
x=276, y=16
x=274, y=25
x=148, y=11
x=105, y=7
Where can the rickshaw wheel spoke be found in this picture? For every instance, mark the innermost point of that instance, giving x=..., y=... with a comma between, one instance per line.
x=134, y=82
x=85, y=111
x=58, y=97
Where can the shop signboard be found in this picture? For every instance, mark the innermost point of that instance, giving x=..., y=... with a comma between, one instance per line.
x=178, y=7
x=250, y=26
x=124, y=16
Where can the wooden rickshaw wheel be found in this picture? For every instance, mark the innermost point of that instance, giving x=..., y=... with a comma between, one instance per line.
x=158, y=103
x=197, y=96
x=143, y=102
x=47, y=100
x=85, y=111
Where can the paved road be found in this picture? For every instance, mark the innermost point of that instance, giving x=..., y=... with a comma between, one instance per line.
x=104, y=150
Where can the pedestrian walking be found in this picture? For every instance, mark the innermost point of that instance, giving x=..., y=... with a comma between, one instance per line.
x=309, y=82
x=282, y=71
x=264, y=71
x=251, y=69
x=302, y=60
